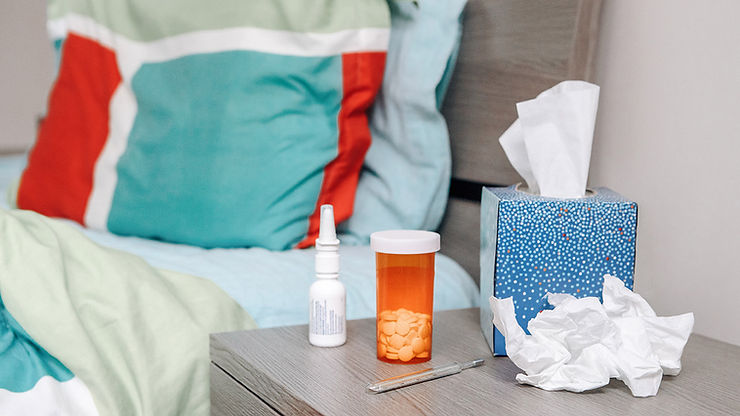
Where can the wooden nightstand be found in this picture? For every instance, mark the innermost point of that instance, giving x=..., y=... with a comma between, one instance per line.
x=276, y=371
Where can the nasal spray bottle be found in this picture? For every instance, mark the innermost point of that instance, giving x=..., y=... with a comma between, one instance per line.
x=327, y=323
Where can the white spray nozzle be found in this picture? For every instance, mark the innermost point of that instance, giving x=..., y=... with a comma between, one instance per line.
x=327, y=229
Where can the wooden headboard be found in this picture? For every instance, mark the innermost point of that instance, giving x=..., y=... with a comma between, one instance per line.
x=511, y=51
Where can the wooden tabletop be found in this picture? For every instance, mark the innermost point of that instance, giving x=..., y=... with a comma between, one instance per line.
x=280, y=367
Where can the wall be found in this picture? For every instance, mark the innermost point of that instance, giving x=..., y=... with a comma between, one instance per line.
x=26, y=71
x=668, y=136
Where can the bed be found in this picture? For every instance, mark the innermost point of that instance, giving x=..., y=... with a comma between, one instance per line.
x=257, y=278
x=515, y=49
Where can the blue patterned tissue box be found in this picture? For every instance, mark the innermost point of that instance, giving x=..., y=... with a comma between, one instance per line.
x=532, y=245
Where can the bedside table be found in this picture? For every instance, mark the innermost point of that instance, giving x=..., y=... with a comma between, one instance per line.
x=276, y=371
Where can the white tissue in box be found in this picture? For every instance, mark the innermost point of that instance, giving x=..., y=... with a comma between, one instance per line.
x=580, y=344
x=550, y=143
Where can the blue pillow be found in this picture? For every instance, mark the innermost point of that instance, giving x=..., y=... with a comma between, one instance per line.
x=405, y=178
x=218, y=126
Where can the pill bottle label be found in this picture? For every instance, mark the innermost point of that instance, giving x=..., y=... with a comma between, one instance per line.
x=327, y=316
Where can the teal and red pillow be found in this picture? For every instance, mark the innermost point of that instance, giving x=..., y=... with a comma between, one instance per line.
x=215, y=124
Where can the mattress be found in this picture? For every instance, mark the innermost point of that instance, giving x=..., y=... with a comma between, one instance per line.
x=271, y=285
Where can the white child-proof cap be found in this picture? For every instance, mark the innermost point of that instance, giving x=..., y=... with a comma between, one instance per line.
x=404, y=242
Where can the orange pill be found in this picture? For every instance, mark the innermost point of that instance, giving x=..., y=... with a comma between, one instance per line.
x=418, y=345
x=388, y=316
x=396, y=341
x=406, y=353
x=402, y=327
x=389, y=328
x=424, y=354
x=425, y=330
x=391, y=356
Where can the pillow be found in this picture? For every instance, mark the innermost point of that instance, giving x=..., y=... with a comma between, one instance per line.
x=214, y=124
x=406, y=176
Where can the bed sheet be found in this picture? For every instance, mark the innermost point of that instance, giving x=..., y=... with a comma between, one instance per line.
x=272, y=286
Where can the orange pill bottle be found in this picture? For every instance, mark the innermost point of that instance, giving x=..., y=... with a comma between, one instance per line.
x=404, y=267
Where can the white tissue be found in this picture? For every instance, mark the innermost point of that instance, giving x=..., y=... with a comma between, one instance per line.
x=582, y=343
x=550, y=143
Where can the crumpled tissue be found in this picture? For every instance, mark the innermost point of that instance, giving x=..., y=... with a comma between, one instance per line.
x=581, y=343
x=550, y=143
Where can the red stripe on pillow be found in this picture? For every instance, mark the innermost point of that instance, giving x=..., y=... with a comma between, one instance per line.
x=59, y=177
x=362, y=75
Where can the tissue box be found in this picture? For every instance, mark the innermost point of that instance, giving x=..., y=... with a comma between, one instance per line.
x=532, y=245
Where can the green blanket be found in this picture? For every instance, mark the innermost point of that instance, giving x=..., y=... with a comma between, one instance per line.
x=136, y=336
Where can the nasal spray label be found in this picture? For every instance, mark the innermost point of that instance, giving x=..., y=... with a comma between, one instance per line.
x=327, y=316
